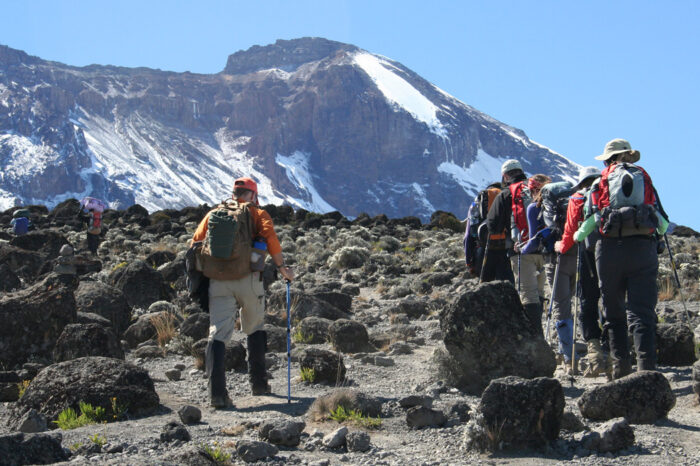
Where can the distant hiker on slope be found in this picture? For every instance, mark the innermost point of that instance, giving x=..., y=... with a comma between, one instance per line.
x=20, y=222
x=508, y=212
x=626, y=215
x=227, y=233
x=591, y=318
x=93, y=219
x=478, y=242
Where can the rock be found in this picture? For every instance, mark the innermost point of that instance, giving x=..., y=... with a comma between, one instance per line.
x=642, y=398
x=487, y=336
x=196, y=326
x=306, y=306
x=420, y=416
x=696, y=381
x=8, y=280
x=189, y=455
x=571, y=423
x=32, y=422
x=235, y=358
x=163, y=306
x=174, y=431
x=328, y=367
x=348, y=398
x=675, y=344
x=411, y=307
x=140, y=331
x=340, y=300
x=189, y=414
x=276, y=338
x=400, y=348
x=251, y=450
x=45, y=308
x=158, y=258
x=383, y=361
x=148, y=352
x=284, y=432
x=173, y=374
x=23, y=263
x=141, y=284
x=95, y=380
x=9, y=386
x=461, y=410
x=90, y=318
x=349, y=336
x=78, y=340
x=358, y=442
x=335, y=439
x=412, y=401
x=46, y=242
x=614, y=435
x=515, y=412
x=105, y=300
x=20, y=448
x=314, y=329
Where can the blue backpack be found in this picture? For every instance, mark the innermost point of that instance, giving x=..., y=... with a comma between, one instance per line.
x=20, y=225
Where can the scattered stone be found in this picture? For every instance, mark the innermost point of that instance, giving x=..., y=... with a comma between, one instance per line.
x=571, y=423
x=696, y=381
x=148, y=352
x=400, y=348
x=284, y=432
x=314, y=329
x=173, y=374
x=140, y=331
x=487, y=336
x=8, y=280
x=174, y=431
x=196, y=326
x=20, y=448
x=348, y=398
x=180, y=366
x=358, y=441
x=328, y=367
x=78, y=340
x=383, y=361
x=251, y=450
x=412, y=308
x=642, y=398
x=675, y=344
x=189, y=414
x=411, y=401
x=515, y=412
x=461, y=410
x=614, y=435
x=276, y=338
x=335, y=439
x=32, y=422
x=349, y=336
x=420, y=416
x=9, y=386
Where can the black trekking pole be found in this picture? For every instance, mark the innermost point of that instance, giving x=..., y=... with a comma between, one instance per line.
x=483, y=260
x=551, y=298
x=678, y=281
x=289, y=352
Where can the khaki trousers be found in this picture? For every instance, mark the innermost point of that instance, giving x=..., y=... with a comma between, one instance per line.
x=225, y=296
x=532, y=277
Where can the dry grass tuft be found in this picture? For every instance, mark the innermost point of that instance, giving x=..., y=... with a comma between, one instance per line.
x=667, y=291
x=164, y=324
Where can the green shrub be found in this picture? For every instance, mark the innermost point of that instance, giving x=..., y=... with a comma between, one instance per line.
x=308, y=374
x=22, y=386
x=119, y=266
x=299, y=337
x=340, y=414
x=98, y=440
x=69, y=419
x=217, y=453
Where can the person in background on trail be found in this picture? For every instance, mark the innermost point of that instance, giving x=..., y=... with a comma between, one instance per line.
x=626, y=215
x=94, y=227
x=247, y=292
x=20, y=222
x=590, y=319
x=477, y=239
x=539, y=232
x=508, y=212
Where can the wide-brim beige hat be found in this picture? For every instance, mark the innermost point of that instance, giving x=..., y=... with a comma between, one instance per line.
x=586, y=173
x=619, y=146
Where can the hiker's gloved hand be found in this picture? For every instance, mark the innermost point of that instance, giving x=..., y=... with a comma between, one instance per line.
x=559, y=247
x=287, y=273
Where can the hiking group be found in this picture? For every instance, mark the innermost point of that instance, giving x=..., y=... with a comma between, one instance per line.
x=598, y=238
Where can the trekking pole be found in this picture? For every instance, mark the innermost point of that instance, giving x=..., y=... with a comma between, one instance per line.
x=678, y=281
x=483, y=260
x=289, y=352
x=519, y=274
x=577, y=301
x=551, y=298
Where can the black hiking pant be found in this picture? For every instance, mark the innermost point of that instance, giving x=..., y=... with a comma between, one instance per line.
x=92, y=242
x=497, y=266
x=591, y=320
x=627, y=267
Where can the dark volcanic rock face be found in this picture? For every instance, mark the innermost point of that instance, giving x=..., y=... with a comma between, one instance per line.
x=320, y=121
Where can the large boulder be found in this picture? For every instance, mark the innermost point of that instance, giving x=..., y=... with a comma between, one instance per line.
x=515, y=412
x=349, y=398
x=196, y=326
x=141, y=330
x=314, y=329
x=642, y=398
x=8, y=280
x=33, y=319
x=47, y=242
x=328, y=367
x=675, y=344
x=614, y=435
x=303, y=306
x=105, y=300
x=25, y=264
x=276, y=338
x=19, y=448
x=95, y=380
x=79, y=340
x=487, y=336
x=337, y=299
x=285, y=432
x=349, y=336
x=141, y=284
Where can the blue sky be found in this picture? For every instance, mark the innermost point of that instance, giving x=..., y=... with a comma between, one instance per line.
x=572, y=75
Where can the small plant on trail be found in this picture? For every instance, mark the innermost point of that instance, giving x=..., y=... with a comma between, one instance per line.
x=308, y=374
x=118, y=410
x=216, y=453
x=22, y=386
x=98, y=440
x=74, y=447
x=119, y=266
x=299, y=337
x=69, y=419
x=340, y=414
x=164, y=324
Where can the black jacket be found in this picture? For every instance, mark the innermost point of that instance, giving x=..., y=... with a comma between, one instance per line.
x=500, y=212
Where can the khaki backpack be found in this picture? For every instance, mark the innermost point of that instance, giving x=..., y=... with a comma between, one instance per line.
x=225, y=252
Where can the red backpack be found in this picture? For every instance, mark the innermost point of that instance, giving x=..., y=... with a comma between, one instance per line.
x=95, y=226
x=521, y=198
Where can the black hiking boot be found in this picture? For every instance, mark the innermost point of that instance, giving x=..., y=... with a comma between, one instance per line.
x=621, y=368
x=216, y=372
x=257, y=346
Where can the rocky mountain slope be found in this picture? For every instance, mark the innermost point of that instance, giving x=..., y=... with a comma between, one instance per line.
x=378, y=307
x=319, y=124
